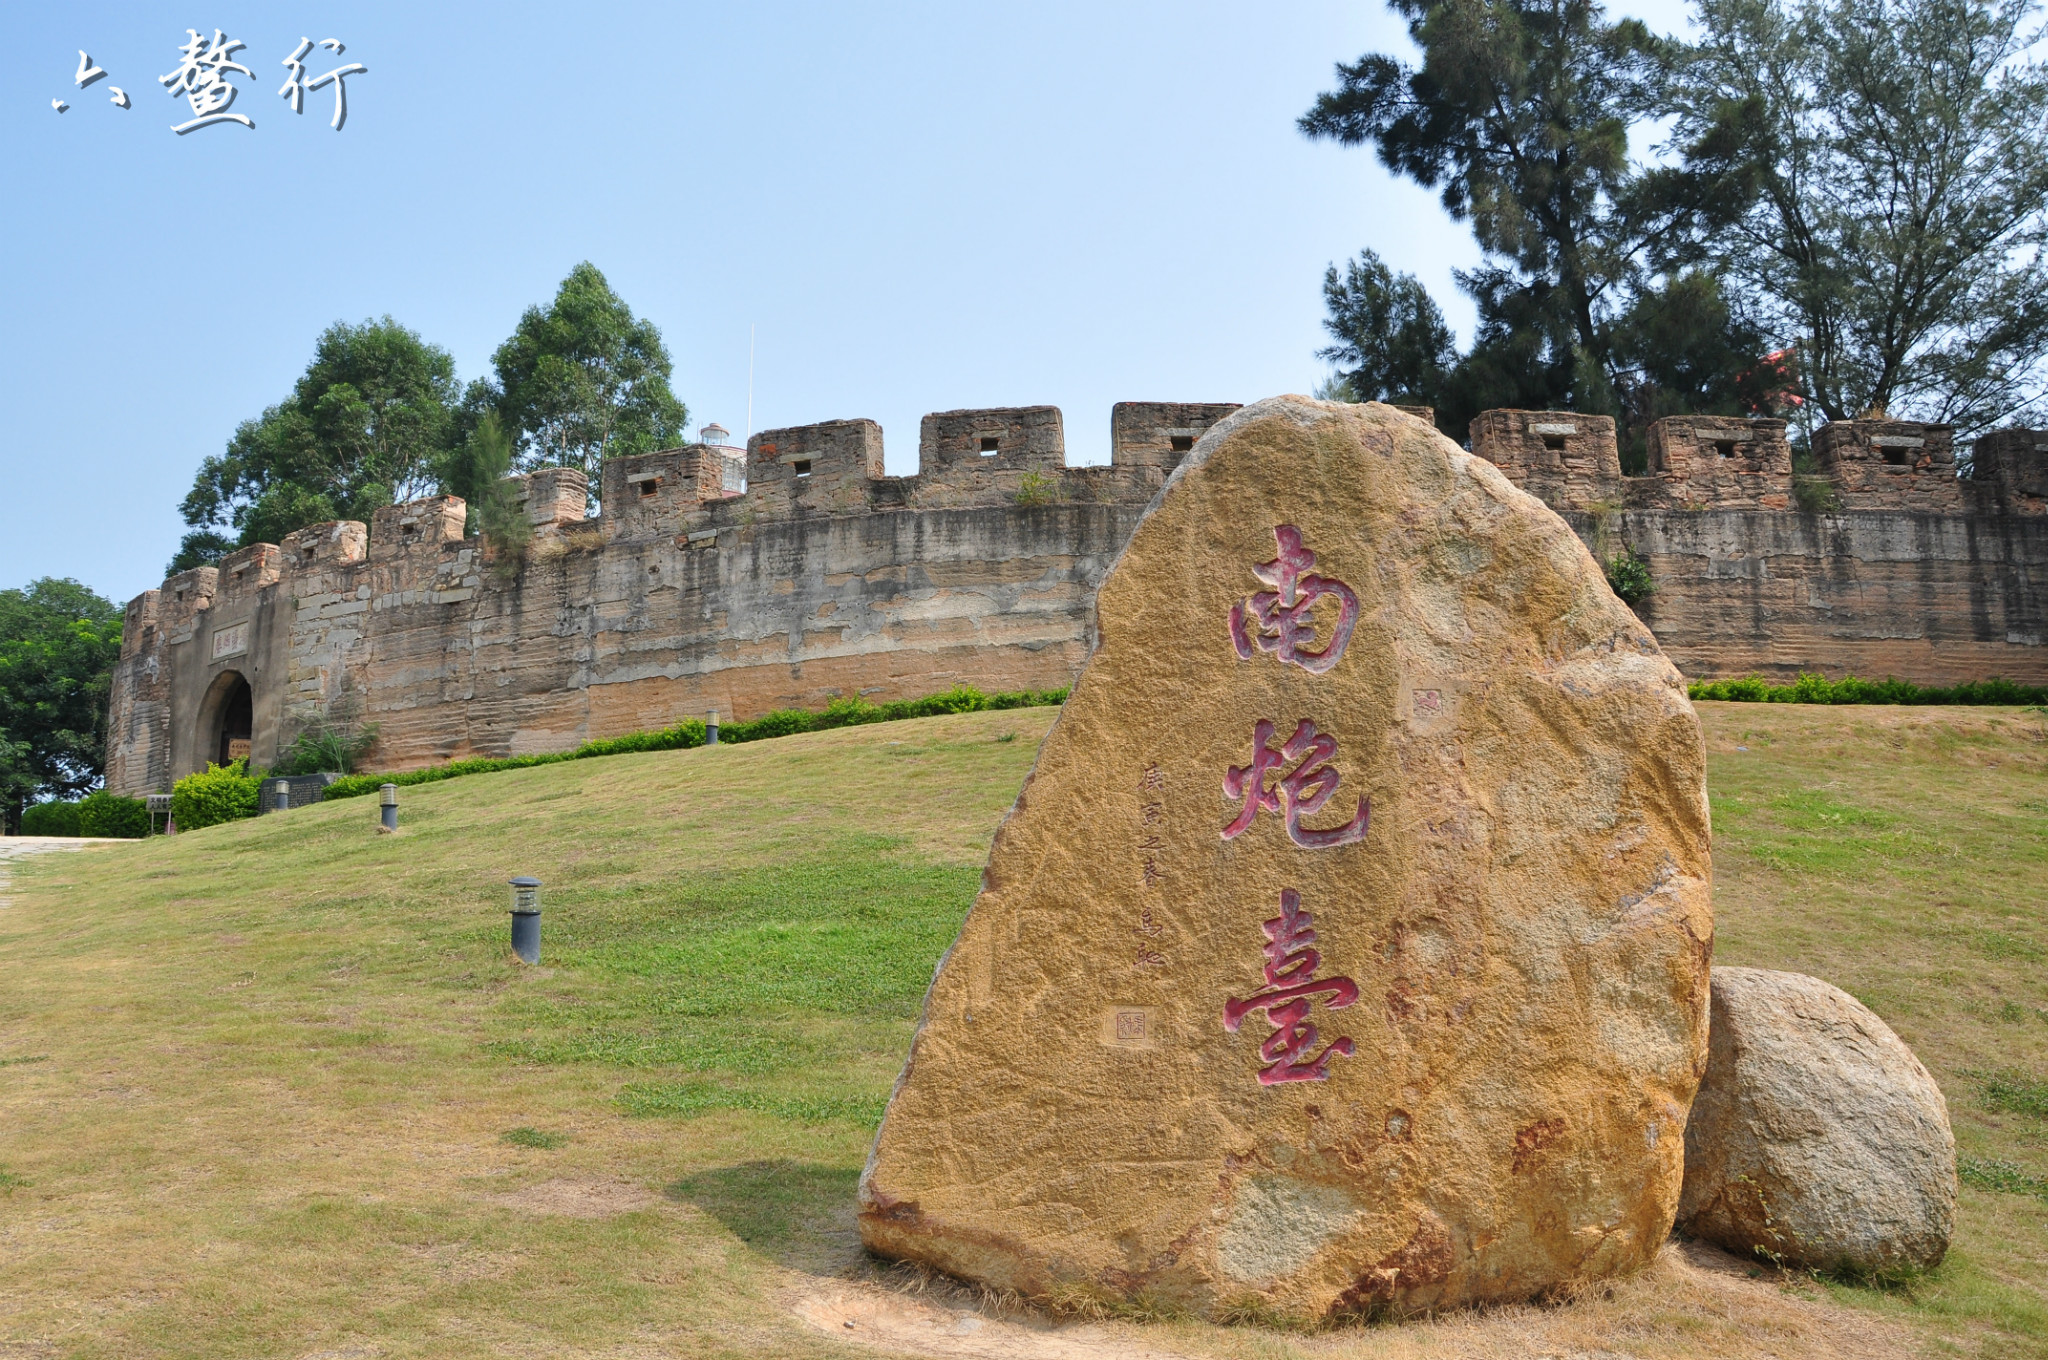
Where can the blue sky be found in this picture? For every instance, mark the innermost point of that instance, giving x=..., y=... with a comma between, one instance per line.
x=917, y=207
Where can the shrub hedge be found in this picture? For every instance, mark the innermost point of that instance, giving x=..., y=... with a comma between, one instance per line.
x=97, y=814
x=690, y=733
x=109, y=814
x=49, y=819
x=1818, y=689
x=218, y=795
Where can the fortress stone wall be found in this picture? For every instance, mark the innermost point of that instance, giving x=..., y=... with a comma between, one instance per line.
x=1910, y=572
x=826, y=577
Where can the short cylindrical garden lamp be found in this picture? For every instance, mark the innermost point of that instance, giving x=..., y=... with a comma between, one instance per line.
x=526, y=919
x=711, y=729
x=283, y=796
x=387, y=801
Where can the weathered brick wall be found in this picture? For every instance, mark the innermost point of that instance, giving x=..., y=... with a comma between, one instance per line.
x=1891, y=465
x=828, y=578
x=2012, y=466
x=1564, y=458
x=1699, y=462
x=825, y=578
x=1934, y=599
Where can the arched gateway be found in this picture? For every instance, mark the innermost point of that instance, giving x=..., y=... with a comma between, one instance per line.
x=227, y=719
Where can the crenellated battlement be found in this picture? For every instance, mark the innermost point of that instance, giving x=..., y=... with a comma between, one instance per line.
x=1728, y=463
x=796, y=570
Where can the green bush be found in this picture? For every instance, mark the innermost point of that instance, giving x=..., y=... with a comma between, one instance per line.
x=844, y=712
x=1818, y=689
x=1035, y=488
x=1628, y=576
x=327, y=748
x=1816, y=495
x=109, y=814
x=50, y=819
x=219, y=795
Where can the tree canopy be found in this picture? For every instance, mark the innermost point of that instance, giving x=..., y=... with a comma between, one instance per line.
x=1850, y=217
x=1895, y=225
x=582, y=379
x=1393, y=343
x=368, y=423
x=1519, y=113
x=379, y=417
x=58, y=645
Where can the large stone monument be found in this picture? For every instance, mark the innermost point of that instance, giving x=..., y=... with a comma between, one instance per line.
x=1348, y=946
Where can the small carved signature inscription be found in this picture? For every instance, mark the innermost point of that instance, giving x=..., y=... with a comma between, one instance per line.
x=1130, y=1027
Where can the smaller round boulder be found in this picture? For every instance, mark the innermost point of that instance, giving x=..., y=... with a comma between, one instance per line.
x=1817, y=1138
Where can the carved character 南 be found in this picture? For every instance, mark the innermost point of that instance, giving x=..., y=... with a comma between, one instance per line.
x=1291, y=964
x=1282, y=620
x=1297, y=793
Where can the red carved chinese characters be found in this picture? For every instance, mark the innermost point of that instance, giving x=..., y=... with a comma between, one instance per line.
x=1282, y=620
x=1291, y=982
x=1298, y=793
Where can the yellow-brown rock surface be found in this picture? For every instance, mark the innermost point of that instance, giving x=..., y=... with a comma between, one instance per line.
x=1406, y=1012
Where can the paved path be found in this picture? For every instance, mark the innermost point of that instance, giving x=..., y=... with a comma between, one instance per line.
x=19, y=847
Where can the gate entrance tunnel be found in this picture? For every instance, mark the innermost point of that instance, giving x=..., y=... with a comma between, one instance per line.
x=228, y=719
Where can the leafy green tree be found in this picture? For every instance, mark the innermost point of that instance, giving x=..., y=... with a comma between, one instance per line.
x=58, y=645
x=1393, y=344
x=368, y=423
x=1519, y=114
x=200, y=548
x=477, y=470
x=583, y=379
x=1685, y=349
x=1890, y=158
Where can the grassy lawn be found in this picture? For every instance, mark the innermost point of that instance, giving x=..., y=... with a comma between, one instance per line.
x=275, y=1089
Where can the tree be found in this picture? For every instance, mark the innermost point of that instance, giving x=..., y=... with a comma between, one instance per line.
x=1685, y=349
x=58, y=645
x=583, y=379
x=200, y=548
x=368, y=423
x=477, y=470
x=1519, y=113
x=1393, y=344
x=1894, y=161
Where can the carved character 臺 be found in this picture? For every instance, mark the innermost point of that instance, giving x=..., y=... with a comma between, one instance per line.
x=1297, y=793
x=1291, y=964
x=1282, y=620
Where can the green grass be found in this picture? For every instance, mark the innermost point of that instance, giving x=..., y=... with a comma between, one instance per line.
x=528, y=1137
x=691, y=733
x=1902, y=854
x=299, y=1097
x=278, y=1088
x=2006, y=1177
x=2016, y=1093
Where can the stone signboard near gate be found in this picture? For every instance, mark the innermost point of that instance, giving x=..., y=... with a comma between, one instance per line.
x=1347, y=948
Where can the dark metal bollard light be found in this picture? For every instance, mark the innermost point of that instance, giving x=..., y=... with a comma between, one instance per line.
x=526, y=919
x=387, y=800
x=284, y=796
x=711, y=729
